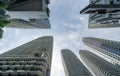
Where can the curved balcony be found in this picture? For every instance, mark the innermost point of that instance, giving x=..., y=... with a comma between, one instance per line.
x=100, y=8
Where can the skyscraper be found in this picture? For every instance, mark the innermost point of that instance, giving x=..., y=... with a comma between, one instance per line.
x=72, y=65
x=31, y=59
x=29, y=24
x=103, y=13
x=27, y=10
x=107, y=48
x=99, y=66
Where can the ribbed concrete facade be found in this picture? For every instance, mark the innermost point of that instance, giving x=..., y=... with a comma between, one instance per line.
x=106, y=47
x=103, y=13
x=72, y=65
x=31, y=24
x=31, y=59
x=99, y=66
x=27, y=10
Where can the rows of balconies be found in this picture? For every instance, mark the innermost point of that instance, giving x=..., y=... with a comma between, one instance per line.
x=22, y=73
x=106, y=43
x=104, y=21
x=36, y=63
x=114, y=51
x=106, y=47
x=24, y=67
x=102, y=12
x=23, y=63
x=103, y=25
x=70, y=62
x=23, y=59
x=13, y=65
x=99, y=65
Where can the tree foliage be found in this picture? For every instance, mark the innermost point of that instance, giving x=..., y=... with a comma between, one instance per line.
x=3, y=5
x=4, y=21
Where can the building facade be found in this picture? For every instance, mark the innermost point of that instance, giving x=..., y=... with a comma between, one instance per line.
x=29, y=10
x=72, y=65
x=31, y=59
x=31, y=24
x=99, y=66
x=107, y=48
x=103, y=13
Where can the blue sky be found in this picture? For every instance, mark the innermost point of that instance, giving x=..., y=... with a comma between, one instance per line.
x=68, y=28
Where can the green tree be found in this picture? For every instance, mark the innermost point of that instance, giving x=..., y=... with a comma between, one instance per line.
x=3, y=5
x=6, y=20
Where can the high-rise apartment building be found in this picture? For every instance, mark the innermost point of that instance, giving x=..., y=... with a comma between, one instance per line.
x=31, y=23
x=103, y=13
x=107, y=48
x=27, y=10
x=31, y=59
x=72, y=65
x=99, y=66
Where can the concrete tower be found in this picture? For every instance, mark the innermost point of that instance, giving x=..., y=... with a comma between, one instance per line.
x=28, y=14
x=31, y=59
x=72, y=65
x=99, y=66
x=103, y=13
x=106, y=48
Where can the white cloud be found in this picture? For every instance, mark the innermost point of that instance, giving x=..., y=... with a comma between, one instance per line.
x=73, y=35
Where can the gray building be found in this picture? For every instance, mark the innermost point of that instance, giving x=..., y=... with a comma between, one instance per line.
x=31, y=24
x=103, y=13
x=99, y=66
x=72, y=65
x=31, y=59
x=107, y=48
x=27, y=10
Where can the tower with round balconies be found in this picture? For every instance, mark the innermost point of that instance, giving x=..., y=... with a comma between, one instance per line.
x=31, y=59
x=98, y=65
x=72, y=65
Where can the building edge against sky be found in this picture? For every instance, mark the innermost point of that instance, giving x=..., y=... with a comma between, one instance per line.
x=98, y=65
x=29, y=14
x=36, y=56
x=106, y=48
x=103, y=13
x=72, y=65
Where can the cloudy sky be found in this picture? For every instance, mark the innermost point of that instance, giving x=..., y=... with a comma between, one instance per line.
x=68, y=28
